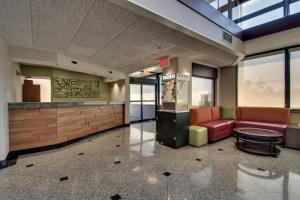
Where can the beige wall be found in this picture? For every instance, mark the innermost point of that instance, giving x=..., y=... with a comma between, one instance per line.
x=117, y=90
x=295, y=118
x=228, y=86
x=37, y=71
x=274, y=41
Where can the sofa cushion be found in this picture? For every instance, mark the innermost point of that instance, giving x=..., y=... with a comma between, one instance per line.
x=265, y=125
x=200, y=115
x=218, y=125
x=271, y=115
x=228, y=113
x=216, y=113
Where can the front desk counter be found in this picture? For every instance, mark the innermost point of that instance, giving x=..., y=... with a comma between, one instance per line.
x=33, y=125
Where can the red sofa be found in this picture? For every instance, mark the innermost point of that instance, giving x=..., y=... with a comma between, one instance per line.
x=267, y=118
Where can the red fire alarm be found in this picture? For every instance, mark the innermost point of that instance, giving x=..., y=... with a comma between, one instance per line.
x=164, y=61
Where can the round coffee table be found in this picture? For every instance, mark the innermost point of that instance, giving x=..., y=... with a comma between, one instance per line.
x=258, y=141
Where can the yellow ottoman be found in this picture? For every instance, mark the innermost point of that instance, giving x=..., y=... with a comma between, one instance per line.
x=198, y=136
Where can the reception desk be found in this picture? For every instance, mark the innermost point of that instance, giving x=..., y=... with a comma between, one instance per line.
x=33, y=125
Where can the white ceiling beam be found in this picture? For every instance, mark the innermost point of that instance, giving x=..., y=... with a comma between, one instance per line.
x=51, y=59
x=178, y=16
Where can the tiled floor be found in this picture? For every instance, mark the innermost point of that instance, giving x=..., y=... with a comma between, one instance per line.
x=142, y=169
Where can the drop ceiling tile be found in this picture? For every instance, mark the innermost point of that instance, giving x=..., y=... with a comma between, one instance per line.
x=156, y=46
x=15, y=9
x=177, y=52
x=60, y=18
x=110, y=52
x=102, y=24
x=173, y=37
x=137, y=54
x=193, y=44
x=15, y=25
x=50, y=39
x=75, y=7
x=141, y=32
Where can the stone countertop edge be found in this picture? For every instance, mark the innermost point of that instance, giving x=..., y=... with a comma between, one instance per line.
x=36, y=105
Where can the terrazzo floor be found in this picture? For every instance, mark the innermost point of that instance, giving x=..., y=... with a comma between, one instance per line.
x=127, y=163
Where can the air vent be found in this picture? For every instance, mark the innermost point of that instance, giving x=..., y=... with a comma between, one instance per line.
x=227, y=37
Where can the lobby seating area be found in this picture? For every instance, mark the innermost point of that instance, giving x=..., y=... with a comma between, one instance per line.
x=220, y=126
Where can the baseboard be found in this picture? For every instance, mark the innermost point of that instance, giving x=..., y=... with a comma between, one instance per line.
x=3, y=164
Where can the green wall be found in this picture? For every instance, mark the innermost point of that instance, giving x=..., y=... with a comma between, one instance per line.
x=37, y=71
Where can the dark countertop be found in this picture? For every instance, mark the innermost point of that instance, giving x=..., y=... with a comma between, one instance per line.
x=32, y=105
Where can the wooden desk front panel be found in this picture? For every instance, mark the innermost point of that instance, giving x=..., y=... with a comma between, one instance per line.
x=30, y=128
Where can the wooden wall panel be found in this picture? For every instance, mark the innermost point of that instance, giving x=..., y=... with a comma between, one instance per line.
x=30, y=128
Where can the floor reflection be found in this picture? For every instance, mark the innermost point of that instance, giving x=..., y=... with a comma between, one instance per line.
x=142, y=138
x=130, y=163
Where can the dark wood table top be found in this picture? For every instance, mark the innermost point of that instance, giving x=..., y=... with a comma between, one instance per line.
x=258, y=132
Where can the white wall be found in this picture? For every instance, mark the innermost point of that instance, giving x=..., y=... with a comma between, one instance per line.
x=11, y=81
x=8, y=93
x=4, y=145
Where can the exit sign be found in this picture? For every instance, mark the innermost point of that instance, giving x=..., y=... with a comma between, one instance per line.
x=164, y=61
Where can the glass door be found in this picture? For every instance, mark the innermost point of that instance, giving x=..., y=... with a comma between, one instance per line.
x=148, y=101
x=135, y=102
x=142, y=102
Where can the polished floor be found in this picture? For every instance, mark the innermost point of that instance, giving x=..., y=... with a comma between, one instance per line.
x=129, y=164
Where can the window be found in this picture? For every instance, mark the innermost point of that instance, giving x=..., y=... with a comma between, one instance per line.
x=250, y=7
x=45, y=87
x=261, y=81
x=295, y=7
x=261, y=19
x=295, y=79
x=202, y=92
x=252, y=13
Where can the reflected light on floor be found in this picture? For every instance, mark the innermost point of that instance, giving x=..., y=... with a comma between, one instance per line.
x=136, y=169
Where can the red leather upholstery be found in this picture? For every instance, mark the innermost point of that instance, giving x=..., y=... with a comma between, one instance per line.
x=272, y=115
x=265, y=125
x=212, y=137
x=219, y=125
x=267, y=118
x=200, y=115
x=211, y=119
x=216, y=113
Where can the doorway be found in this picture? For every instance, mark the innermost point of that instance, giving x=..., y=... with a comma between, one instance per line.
x=143, y=102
